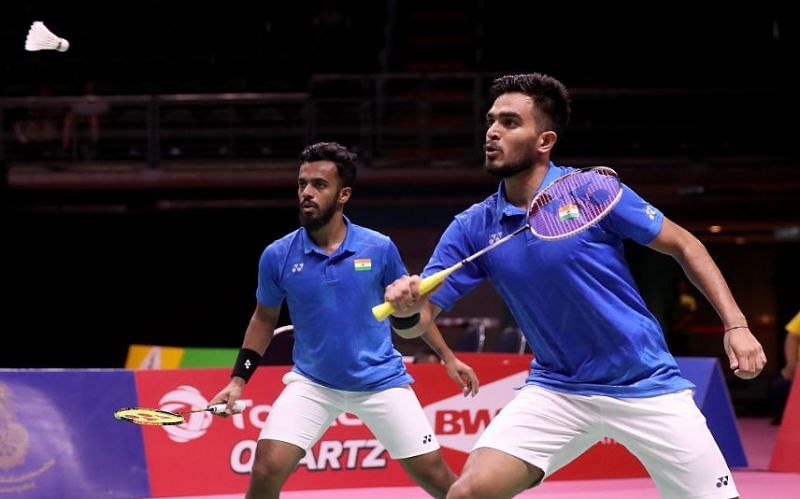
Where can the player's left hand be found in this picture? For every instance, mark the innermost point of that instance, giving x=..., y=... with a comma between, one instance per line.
x=463, y=375
x=746, y=356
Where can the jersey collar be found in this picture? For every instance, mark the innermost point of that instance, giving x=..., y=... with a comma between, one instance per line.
x=348, y=245
x=506, y=209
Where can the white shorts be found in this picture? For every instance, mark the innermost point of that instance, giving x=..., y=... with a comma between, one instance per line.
x=668, y=434
x=304, y=410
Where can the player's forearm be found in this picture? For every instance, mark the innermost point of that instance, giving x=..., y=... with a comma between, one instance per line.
x=257, y=337
x=256, y=340
x=433, y=337
x=260, y=329
x=706, y=276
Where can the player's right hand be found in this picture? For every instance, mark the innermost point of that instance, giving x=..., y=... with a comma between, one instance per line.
x=229, y=395
x=404, y=296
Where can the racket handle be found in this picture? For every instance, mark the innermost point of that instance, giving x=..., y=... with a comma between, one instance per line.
x=383, y=310
x=426, y=285
x=238, y=406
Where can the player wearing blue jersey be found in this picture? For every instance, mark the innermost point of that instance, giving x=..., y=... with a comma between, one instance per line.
x=344, y=360
x=601, y=367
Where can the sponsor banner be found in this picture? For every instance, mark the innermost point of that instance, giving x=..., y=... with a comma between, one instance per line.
x=59, y=438
x=211, y=455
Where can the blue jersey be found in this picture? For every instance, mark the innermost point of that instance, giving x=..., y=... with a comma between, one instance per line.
x=338, y=343
x=574, y=299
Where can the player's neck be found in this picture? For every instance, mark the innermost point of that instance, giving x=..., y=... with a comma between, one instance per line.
x=330, y=236
x=521, y=187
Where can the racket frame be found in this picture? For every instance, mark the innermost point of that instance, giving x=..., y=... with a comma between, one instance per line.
x=178, y=417
x=175, y=418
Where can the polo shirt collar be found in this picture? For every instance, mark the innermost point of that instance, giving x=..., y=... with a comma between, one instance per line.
x=348, y=245
x=506, y=209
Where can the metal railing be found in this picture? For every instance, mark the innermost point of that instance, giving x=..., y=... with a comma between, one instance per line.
x=153, y=129
x=392, y=120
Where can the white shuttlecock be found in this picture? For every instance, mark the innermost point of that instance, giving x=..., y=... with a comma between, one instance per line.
x=41, y=38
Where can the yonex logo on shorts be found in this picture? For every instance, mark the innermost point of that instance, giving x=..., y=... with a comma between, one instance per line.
x=722, y=481
x=427, y=439
x=297, y=267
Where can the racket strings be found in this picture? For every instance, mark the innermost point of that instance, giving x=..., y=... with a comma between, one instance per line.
x=144, y=416
x=573, y=202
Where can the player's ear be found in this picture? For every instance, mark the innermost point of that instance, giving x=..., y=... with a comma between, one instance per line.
x=344, y=194
x=546, y=141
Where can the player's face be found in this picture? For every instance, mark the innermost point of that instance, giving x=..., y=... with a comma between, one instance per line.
x=512, y=137
x=319, y=193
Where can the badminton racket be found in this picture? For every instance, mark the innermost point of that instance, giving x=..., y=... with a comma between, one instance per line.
x=568, y=205
x=159, y=417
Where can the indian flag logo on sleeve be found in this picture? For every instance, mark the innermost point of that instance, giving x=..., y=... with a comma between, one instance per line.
x=568, y=212
x=363, y=264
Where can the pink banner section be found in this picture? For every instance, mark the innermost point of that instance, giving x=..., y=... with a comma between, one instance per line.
x=211, y=455
x=787, y=445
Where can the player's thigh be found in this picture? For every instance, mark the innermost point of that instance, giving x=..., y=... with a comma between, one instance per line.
x=669, y=435
x=302, y=412
x=397, y=420
x=543, y=428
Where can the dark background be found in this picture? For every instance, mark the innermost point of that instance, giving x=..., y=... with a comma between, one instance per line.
x=88, y=271
x=165, y=47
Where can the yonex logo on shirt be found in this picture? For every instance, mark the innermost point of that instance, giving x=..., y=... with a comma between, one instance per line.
x=495, y=237
x=297, y=267
x=651, y=212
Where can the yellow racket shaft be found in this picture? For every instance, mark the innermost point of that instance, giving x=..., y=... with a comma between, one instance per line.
x=426, y=285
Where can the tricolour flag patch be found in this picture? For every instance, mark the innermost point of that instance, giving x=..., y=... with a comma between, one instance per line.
x=362, y=264
x=568, y=212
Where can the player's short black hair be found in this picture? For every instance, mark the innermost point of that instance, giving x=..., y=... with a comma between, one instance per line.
x=345, y=160
x=550, y=96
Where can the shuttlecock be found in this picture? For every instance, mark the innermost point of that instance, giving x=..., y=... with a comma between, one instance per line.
x=41, y=38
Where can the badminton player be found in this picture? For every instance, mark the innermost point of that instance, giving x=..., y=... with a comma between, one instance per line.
x=344, y=360
x=601, y=367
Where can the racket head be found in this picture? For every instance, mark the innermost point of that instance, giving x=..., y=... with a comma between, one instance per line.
x=149, y=417
x=574, y=202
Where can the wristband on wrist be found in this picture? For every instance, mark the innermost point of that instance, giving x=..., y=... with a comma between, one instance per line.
x=404, y=322
x=246, y=363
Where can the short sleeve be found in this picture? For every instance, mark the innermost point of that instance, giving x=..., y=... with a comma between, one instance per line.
x=269, y=292
x=394, y=266
x=453, y=247
x=634, y=218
